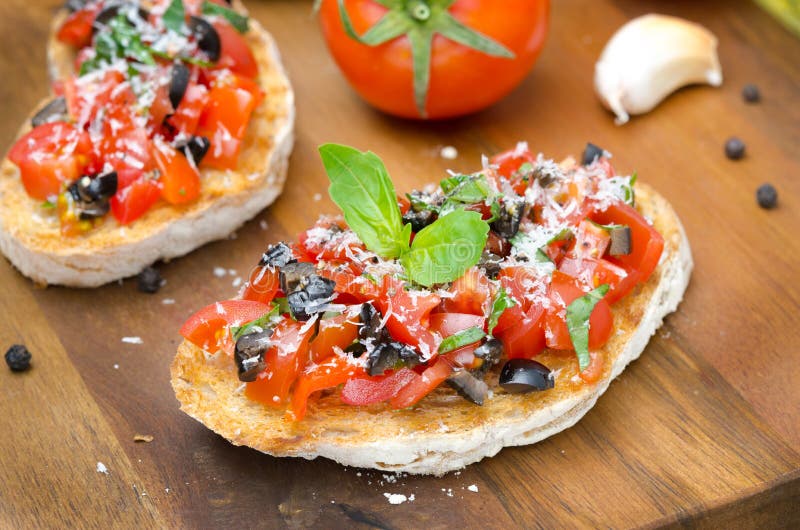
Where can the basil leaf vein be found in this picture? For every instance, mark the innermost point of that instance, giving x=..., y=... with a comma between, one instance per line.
x=578, y=313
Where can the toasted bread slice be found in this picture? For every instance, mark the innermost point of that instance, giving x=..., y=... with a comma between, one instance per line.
x=30, y=238
x=443, y=432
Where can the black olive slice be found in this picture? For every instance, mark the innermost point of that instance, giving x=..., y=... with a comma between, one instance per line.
x=91, y=195
x=356, y=349
x=591, y=153
x=277, y=256
x=207, y=37
x=620, y=241
x=490, y=263
x=249, y=354
x=316, y=292
x=370, y=322
x=56, y=110
x=390, y=355
x=292, y=274
x=103, y=186
x=520, y=376
x=178, y=83
x=195, y=148
x=418, y=220
x=468, y=386
x=510, y=216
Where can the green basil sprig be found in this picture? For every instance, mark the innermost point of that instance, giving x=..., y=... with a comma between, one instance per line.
x=578, y=313
x=237, y=20
x=461, y=339
x=174, y=16
x=263, y=322
x=361, y=187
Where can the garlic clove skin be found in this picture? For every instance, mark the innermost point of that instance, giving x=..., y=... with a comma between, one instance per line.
x=649, y=58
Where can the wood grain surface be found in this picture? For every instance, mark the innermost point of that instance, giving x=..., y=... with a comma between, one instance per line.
x=703, y=431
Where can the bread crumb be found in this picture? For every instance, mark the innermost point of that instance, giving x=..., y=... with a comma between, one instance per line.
x=317, y=197
x=116, y=366
x=397, y=498
x=168, y=301
x=263, y=224
x=101, y=468
x=448, y=152
x=236, y=282
x=473, y=487
x=146, y=438
x=132, y=340
x=219, y=272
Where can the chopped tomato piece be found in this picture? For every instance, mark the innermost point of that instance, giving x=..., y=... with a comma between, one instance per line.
x=224, y=122
x=594, y=371
x=423, y=384
x=264, y=284
x=204, y=328
x=525, y=338
x=332, y=372
x=180, y=179
x=352, y=288
x=76, y=30
x=133, y=201
x=369, y=390
x=187, y=116
x=236, y=54
x=446, y=324
x=337, y=332
x=525, y=287
x=50, y=156
x=564, y=289
x=470, y=294
x=284, y=360
x=593, y=273
x=408, y=315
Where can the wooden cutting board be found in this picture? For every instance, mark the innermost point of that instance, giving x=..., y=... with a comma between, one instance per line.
x=702, y=431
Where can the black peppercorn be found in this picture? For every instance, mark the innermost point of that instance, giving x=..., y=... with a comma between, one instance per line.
x=149, y=280
x=751, y=94
x=18, y=358
x=767, y=196
x=734, y=148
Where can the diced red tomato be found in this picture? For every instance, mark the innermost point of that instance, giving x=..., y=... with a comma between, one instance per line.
x=352, y=288
x=337, y=332
x=204, y=328
x=423, y=384
x=590, y=241
x=646, y=246
x=333, y=371
x=470, y=294
x=408, y=315
x=368, y=390
x=285, y=360
x=446, y=324
x=49, y=156
x=224, y=122
x=264, y=284
x=236, y=54
x=526, y=338
x=133, y=201
x=187, y=115
x=180, y=179
x=594, y=371
x=509, y=162
x=76, y=30
x=160, y=108
x=564, y=289
x=524, y=286
x=593, y=273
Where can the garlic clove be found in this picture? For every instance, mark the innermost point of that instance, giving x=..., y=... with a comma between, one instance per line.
x=649, y=58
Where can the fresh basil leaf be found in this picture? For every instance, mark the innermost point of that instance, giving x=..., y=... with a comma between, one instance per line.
x=608, y=227
x=450, y=183
x=463, y=190
x=563, y=234
x=461, y=339
x=174, y=16
x=263, y=322
x=443, y=250
x=361, y=187
x=501, y=302
x=578, y=313
x=237, y=20
x=542, y=257
x=418, y=205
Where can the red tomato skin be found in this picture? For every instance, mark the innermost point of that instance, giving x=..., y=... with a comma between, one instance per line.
x=331, y=372
x=263, y=285
x=202, y=328
x=368, y=390
x=224, y=122
x=76, y=30
x=285, y=360
x=50, y=156
x=423, y=384
x=447, y=324
x=187, y=115
x=470, y=294
x=339, y=331
x=383, y=75
x=235, y=54
x=525, y=339
x=564, y=289
x=180, y=180
x=409, y=318
x=133, y=201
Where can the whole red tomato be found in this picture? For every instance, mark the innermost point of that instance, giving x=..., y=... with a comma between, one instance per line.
x=462, y=79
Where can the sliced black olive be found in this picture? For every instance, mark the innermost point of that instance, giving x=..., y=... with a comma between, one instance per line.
x=389, y=355
x=149, y=280
x=101, y=187
x=620, y=241
x=490, y=263
x=315, y=294
x=91, y=195
x=370, y=328
x=277, y=256
x=292, y=274
x=468, y=386
x=546, y=174
x=767, y=196
x=489, y=352
x=178, y=83
x=109, y=13
x=419, y=220
x=249, y=354
x=195, y=147
x=56, y=110
x=520, y=376
x=510, y=216
x=207, y=37
x=591, y=153
x=356, y=349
